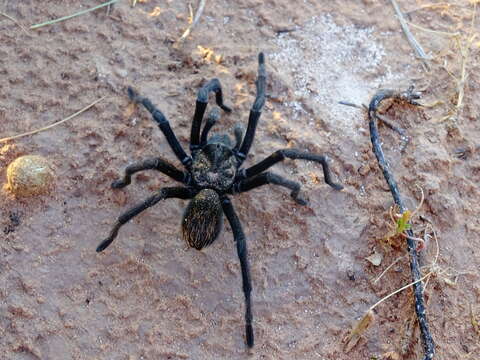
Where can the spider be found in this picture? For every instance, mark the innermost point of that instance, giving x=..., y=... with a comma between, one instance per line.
x=212, y=172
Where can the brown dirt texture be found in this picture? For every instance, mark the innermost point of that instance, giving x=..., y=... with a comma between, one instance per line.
x=149, y=296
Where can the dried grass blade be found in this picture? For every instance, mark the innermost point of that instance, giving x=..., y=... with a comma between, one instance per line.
x=15, y=21
x=50, y=22
x=52, y=125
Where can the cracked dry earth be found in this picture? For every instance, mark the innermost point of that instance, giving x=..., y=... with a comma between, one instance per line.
x=149, y=296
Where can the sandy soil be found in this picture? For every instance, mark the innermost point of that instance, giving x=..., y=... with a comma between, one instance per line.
x=151, y=297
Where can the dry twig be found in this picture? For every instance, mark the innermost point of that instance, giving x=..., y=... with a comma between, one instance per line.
x=409, y=96
x=411, y=39
x=187, y=32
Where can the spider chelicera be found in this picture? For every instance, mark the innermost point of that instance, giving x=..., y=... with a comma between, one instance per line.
x=214, y=171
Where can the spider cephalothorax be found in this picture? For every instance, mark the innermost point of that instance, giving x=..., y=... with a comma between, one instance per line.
x=212, y=172
x=214, y=167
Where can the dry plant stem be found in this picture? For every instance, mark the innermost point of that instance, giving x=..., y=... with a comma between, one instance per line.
x=474, y=321
x=52, y=125
x=187, y=32
x=36, y=26
x=411, y=39
x=465, y=52
x=463, y=76
x=436, y=32
x=434, y=264
x=422, y=199
x=388, y=268
x=409, y=96
x=444, y=5
x=348, y=103
x=399, y=290
x=15, y=21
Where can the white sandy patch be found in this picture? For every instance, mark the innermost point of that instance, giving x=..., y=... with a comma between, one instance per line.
x=329, y=63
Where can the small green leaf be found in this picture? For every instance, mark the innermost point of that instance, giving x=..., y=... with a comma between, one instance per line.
x=402, y=223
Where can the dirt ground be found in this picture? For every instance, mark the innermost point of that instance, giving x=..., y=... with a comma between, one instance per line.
x=149, y=296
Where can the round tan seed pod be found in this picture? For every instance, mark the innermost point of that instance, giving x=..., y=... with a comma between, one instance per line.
x=29, y=175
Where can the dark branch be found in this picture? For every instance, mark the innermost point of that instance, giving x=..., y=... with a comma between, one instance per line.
x=409, y=96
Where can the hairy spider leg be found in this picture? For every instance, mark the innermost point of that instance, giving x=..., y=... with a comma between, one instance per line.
x=212, y=118
x=238, y=131
x=163, y=124
x=282, y=154
x=270, y=178
x=256, y=109
x=200, y=107
x=158, y=163
x=165, y=193
x=242, y=252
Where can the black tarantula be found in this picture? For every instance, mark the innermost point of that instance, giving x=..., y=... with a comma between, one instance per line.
x=214, y=171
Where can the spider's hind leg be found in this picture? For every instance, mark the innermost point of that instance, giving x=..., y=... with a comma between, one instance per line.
x=242, y=253
x=165, y=193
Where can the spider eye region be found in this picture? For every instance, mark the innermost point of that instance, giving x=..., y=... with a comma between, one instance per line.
x=214, y=167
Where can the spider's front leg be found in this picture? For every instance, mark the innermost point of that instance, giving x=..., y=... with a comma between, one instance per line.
x=212, y=119
x=200, y=107
x=163, y=124
x=256, y=109
x=242, y=252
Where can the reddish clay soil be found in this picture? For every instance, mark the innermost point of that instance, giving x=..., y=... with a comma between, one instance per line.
x=149, y=296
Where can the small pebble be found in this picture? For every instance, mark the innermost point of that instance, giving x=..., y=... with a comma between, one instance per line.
x=29, y=175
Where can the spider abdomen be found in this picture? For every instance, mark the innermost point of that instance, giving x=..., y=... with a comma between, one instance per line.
x=202, y=221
